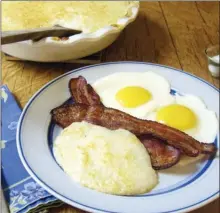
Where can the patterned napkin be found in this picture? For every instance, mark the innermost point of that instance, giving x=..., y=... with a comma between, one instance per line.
x=21, y=192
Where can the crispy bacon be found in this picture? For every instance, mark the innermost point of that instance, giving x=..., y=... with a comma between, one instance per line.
x=82, y=92
x=115, y=119
x=67, y=114
x=162, y=155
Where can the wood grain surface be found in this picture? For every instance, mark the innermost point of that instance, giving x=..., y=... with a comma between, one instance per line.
x=170, y=33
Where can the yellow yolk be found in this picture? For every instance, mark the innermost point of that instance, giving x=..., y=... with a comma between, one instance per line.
x=133, y=96
x=177, y=116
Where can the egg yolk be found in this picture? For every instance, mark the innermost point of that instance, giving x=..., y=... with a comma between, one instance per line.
x=177, y=116
x=133, y=96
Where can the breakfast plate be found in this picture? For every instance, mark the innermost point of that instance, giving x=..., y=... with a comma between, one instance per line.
x=180, y=189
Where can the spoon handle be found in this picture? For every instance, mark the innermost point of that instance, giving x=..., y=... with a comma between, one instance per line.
x=36, y=34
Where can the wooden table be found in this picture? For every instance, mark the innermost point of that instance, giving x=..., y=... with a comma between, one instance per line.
x=170, y=33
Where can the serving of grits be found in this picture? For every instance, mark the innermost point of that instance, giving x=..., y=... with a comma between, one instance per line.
x=108, y=161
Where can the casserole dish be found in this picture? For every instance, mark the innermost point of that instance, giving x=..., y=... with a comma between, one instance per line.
x=74, y=47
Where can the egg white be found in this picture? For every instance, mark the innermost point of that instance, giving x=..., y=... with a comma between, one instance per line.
x=157, y=85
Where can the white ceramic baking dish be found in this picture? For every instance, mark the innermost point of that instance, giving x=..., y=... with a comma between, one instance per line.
x=75, y=47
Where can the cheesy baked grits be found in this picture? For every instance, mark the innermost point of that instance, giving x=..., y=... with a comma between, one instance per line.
x=87, y=16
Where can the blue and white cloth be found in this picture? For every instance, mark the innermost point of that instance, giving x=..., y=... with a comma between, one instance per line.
x=21, y=192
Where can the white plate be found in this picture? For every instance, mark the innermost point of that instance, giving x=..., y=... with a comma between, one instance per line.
x=179, y=190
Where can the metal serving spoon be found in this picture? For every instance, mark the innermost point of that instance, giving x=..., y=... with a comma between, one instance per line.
x=8, y=37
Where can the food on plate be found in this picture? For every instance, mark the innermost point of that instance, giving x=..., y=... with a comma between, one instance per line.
x=109, y=161
x=115, y=119
x=170, y=132
x=162, y=155
x=82, y=15
x=82, y=92
x=137, y=94
x=189, y=114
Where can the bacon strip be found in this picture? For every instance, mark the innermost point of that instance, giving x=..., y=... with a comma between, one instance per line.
x=162, y=155
x=115, y=119
x=82, y=92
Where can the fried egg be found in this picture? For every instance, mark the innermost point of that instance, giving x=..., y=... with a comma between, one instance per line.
x=109, y=161
x=134, y=93
x=189, y=114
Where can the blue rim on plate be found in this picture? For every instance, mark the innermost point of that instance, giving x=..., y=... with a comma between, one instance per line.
x=27, y=166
